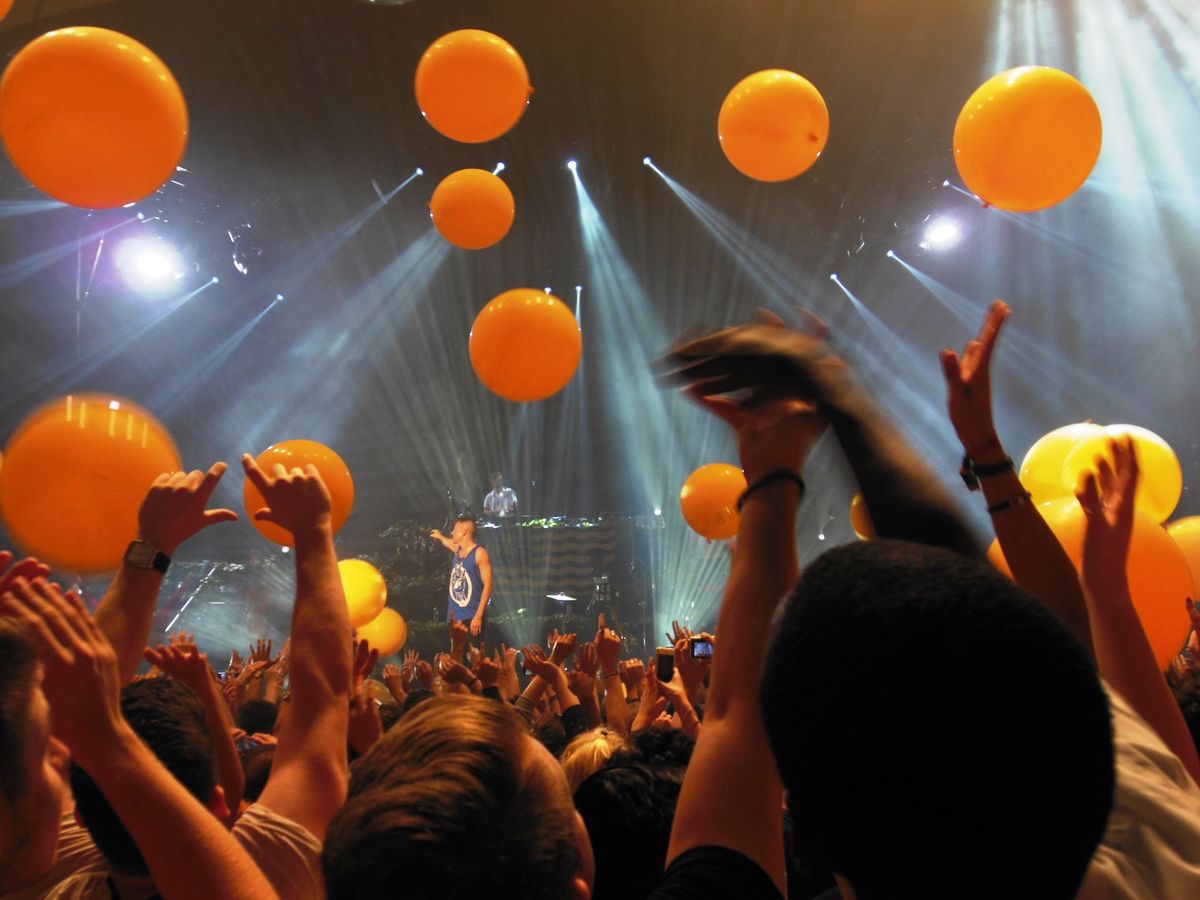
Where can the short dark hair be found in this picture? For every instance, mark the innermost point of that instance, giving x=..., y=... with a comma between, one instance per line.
x=445, y=807
x=18, y=675
x=914, y=774
x=657, y=747
x=414, y=699
x=169, y=718
x=628, y=810
x=258, y=717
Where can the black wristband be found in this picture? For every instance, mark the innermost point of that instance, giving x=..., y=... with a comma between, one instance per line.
x=1018, y=500
x=770, y=478
x=971, y=471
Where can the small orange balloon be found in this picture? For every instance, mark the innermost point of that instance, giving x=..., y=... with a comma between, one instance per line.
x=5, y=7
x=1186, y=535
x=1027, y=138
x=773, y=125
x=387, y=632
x=472, y=209
x=92, y=117
x=472, y=86
x=75, y=474
x=525, y=345
x=860, y=518
x=1042, y=468
x=365, y=590
x=709, y=500
x=1160, y=484
x=1159, y=578
x=297, y=454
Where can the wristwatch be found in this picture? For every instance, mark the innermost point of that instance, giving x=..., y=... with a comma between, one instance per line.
x=144, y=555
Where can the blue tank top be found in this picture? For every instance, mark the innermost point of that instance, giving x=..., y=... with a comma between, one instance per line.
x=466, y=586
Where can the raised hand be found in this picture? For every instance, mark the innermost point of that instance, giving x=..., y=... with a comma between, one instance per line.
x=182, y=640
x=969, y=386
x=365, y=658
x=653, y=704
x=586, y=661
x=82, y=682
x=460, y=633
x=677, y=633
x=608, y=646
x=538, y=663
x=27, y=568
x=424, y=674
x=563, y=647
x=297, y=500
x=691, y=671
x=235, y=664
x=487, y=670
x=185, y=664
x=174, y=508
x=454, y=672
x=1106, y=496
x=582, y=684
x=261, y=650
x=632, y=673
x=365, y=726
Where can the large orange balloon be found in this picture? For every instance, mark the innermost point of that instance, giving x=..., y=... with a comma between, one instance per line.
x=1159, y=579
x=92, y=117
x=297, y=454
x=472, y=86
x=472, y=209
x=387, y=632
x=1186, y=535
x=773, y=125
x=1027, y=138
x=860, y=518
x=365, y=590
x=5, y=7
x=1161, y=483
x=525, y=345
x=709, y=500
x=75, y=474
x=1042, y=468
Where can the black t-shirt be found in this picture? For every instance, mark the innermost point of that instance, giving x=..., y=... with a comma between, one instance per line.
x=709, y=873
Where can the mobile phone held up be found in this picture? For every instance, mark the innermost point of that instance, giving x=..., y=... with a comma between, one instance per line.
x=664, y=663
x=700, y=648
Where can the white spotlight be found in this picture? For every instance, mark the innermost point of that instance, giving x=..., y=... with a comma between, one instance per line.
x=215, y=280
x=420, y=171
x=646, y=161
x=546, y=289
x=279, y=296
x=149, y=265
x=572, y=165
x=500, y=167
x=942, y=234
x=657, y=511
x=833, y=277
x=946, y=183
x=891, y=254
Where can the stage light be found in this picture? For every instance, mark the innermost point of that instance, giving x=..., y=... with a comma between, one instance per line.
x=657, y=511
x=279, y=296
x=500, y=167
x=942, y=234
x=149, y=265
x=286, y=549
x=646, y=161
x=833, y=277
x=547, y=290
x=419, y=171
x=215, y=280
x=572, y=165
x=891, y=254
x=946, y=183
x=114, y=404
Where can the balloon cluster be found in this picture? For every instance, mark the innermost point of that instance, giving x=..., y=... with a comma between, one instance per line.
x=366, y=601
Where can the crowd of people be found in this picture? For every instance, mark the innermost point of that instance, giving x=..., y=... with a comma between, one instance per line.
x=899, y=720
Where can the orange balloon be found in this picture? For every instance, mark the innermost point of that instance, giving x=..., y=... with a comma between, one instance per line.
x=472, y=86
x=860, y=518
x=773, y=125
x=92, y=117
x=5, y=7
x=472, y=209
x=525, y=345
x=1027, y=138
x=709, y=500
x=1186, y=535
x=365, y=590
x=1160, y=484
x=297, y=454
x=387, y=632
x=75, y=474
x=1159, y=578
x=1042, y=468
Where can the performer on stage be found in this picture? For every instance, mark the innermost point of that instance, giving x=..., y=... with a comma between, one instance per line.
x=470, y=577
x=501, y=501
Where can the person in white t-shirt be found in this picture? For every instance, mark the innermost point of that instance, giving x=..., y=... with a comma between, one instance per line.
x=500, y=501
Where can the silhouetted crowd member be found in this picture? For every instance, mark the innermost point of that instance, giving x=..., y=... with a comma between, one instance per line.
x=1006, y=738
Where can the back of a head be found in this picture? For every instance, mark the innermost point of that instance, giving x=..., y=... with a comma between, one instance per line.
x=587, y=752
x=939, y=731
x=628, y=810
x=447, y=805
x=169, y=718
x=258, y=717
x=18, y=674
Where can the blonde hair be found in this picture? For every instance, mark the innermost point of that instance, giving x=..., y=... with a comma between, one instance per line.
x=587, y=753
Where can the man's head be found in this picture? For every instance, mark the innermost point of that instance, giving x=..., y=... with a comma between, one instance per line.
x=457, y=801
x=258, y=717
x=497, y=481
x=169, y=718
x=464, y=527
x=939, y=732
x=32, y=764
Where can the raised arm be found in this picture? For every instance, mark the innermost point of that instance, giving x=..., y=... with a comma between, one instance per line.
x=1037, y=560
x=732, y=796
x=309, y=776
x=446, y=542
x=173, y=511
x=608, y=653
x=905, y=498
x=1122, y=651
x=189, y=853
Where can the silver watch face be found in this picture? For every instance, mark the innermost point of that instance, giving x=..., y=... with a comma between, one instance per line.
x=141, y=554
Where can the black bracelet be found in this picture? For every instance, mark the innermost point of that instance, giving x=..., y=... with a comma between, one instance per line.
x=1019, y=500
x=971, y=471
x=770, y=478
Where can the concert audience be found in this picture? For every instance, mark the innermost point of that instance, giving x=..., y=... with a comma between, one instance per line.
x=774, y=769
